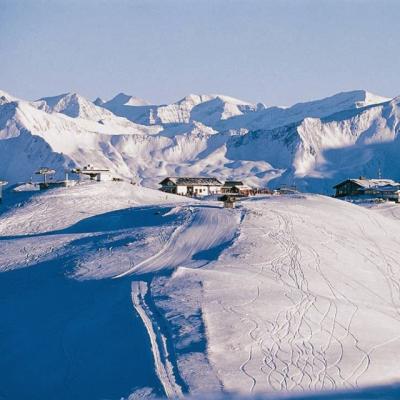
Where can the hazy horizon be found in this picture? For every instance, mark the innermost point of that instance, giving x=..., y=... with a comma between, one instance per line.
x=278, y=53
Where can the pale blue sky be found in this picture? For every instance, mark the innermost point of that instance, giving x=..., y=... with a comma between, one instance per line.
x=276, y=52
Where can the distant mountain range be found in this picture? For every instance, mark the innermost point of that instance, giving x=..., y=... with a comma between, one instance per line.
x=312, y=145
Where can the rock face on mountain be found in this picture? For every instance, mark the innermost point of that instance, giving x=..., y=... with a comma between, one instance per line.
x=311, y=144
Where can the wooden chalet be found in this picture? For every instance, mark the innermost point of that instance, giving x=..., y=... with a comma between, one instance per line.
x=236, y=187
x=372, y=188
x=190, y=186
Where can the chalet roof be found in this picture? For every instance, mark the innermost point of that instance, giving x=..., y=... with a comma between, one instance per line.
x=232, y=183
x=190, y=181
x=388, y=188
x=371, y=183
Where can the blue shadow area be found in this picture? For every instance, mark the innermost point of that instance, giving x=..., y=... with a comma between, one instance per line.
x=112, y=221
x=68, y=339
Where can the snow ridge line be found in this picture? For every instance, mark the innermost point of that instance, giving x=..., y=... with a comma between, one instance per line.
x=164, y=367
x=163, y=250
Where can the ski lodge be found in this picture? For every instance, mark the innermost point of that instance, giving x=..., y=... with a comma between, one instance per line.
x=372, y=188
x=191, y=186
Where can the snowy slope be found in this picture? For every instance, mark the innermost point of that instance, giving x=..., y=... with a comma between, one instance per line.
x=297, y=293
x=305, y=299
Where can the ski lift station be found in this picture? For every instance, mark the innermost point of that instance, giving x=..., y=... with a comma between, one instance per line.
x=2, y=183
x=49, y=182
x=95, y=174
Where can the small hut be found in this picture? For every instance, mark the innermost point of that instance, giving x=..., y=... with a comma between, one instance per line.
x=229, y=201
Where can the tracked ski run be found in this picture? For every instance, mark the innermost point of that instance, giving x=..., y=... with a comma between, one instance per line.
x=158, y=344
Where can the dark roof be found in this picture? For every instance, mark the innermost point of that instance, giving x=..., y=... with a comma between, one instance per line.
x=188, y=181
x=232, y=183
x=370, y=183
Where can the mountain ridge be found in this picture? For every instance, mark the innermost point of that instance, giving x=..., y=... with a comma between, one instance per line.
x=205, y=135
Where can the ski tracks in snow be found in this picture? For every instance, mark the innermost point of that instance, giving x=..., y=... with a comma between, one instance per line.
x=163, y=362
x=305, y=345
x=203, y=228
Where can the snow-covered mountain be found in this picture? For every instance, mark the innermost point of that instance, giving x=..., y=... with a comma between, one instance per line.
x=208, y=109
x=311, y=144
x=273, y=117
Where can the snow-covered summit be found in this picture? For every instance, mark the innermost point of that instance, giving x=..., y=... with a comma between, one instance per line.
x=6, y=97
x=204, y=108
x=273, y=117
x=340, y=102
x=124, y=99
x=73, y=105
x=98, y=101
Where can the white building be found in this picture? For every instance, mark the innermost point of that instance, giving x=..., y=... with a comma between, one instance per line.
x=95, y=174
x=188, y=186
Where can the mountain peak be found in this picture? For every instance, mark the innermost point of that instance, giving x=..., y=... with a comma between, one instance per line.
x=99, y=101
x=360, y=98
x=72, y=104
x=123, y=99
x=6, y=97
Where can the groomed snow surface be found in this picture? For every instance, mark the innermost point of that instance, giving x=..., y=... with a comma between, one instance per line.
x=111, y=290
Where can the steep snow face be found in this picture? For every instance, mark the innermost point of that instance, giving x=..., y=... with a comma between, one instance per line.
x=31, y=138
x=76, y=106
x=219, y=109
x=207, y=109
x=273, y=117
x=350, y=143
x=73, y=105
x=132, y=108
x=336, y=103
